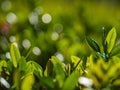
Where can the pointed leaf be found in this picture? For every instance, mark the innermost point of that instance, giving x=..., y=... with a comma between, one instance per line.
x=75, y=60
x=93, y=44
x=71, y=81
x=110, y=39
x=15, y=54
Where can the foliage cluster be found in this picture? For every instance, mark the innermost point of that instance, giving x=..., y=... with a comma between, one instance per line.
x=99, y=71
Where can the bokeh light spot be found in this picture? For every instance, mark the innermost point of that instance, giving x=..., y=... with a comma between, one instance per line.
x=39, y=10
x=12, y=38
x=85, y=81
x=58, y=28
x=33, y=18
x=4, y=82
x=55, y=36
x=11, y=18
x=60, y=56
x=8, y=55
x=6, y=5
x=26, y=43
x=36, y=51
x=46, y=18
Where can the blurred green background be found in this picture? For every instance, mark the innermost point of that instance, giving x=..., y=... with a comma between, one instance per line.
x=42, y=28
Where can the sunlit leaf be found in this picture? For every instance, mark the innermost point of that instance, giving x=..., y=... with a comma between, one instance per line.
x=71, y=82
x=3, y=64
x=93, y=44
x=110, y=39
x=15, y=54
x=28, y=82
x=75, y=60
x=16, y=79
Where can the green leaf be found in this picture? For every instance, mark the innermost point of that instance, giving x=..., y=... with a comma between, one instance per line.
x=15, y=54
x=77, y=64
x=68, y=69
x=71, y=82
x=16, y=79
x=93, y=44
x=75, y=59
x=110, y=39
x=59, y=70
x=3, y=64
x=47, y=82
x=22, y=64
x=49, y=69
x=33, y=67
x=28, y=82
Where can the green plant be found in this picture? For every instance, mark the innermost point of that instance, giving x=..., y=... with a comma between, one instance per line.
x=98, y=71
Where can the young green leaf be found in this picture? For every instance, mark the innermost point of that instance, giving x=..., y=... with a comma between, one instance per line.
x=48, y=82
x=28, y=82
x=59, y=70
x=71, y=82
x=110, y=39
x=115, y=50
x=33, y=67
x=49, y=69
x=75, y=60
x=93, y=44
x=22, y=64
x=3, y=64
x=15, y=54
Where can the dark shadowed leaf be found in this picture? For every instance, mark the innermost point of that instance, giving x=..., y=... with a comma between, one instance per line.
x=47, y=81
x=93, y=44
